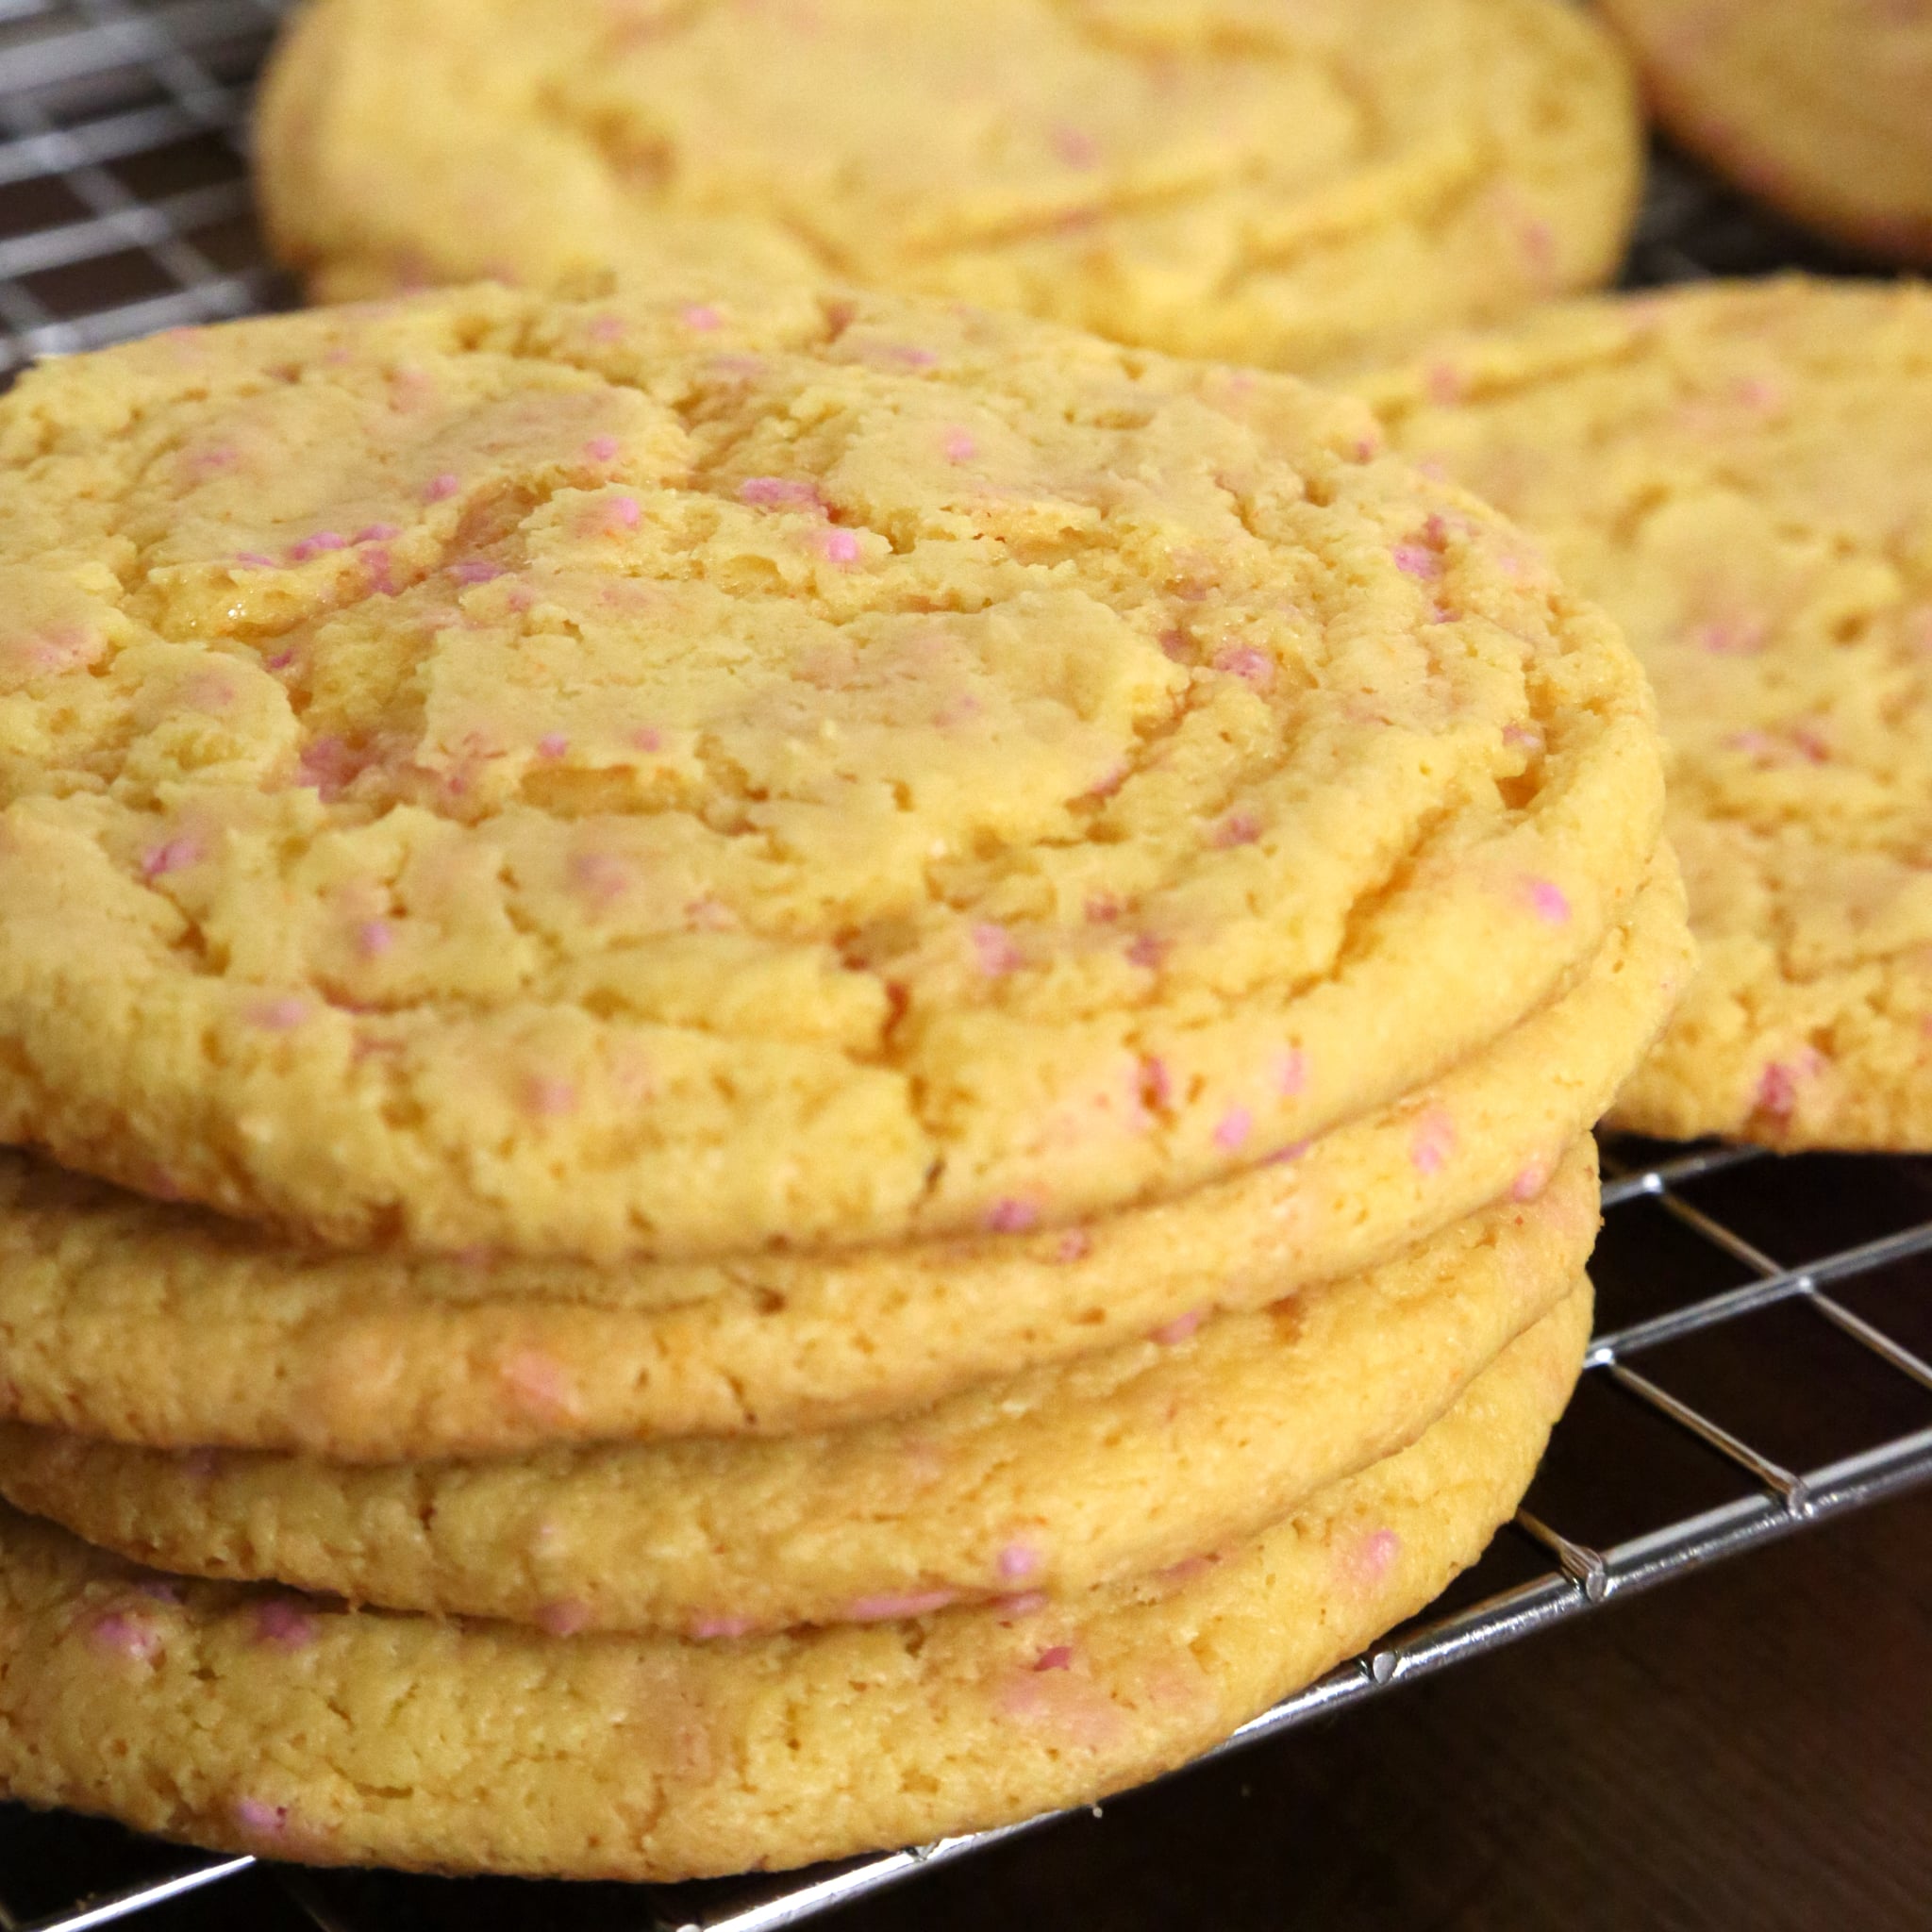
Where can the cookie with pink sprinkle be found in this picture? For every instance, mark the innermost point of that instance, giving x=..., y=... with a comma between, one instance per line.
x=1192, y=1438
x=1271, y=184
x=1743, y=475
x=131, y=1320
x=301, y=1730
x=609, y=777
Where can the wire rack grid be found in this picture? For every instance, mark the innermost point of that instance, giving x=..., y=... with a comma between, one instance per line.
x=124, y=208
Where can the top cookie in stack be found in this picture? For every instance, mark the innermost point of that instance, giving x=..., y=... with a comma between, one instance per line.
x=1284, y=185
x=672, y=777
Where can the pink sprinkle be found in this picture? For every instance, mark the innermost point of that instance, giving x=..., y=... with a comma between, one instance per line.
x=1103, y=909
x=1075, y=1245
x=708, y=1628
x=1176, y=646
x=778, y=492
x=1742, y=636
x=283, y=1623
x=840, y=546
x=647, y=739
x=316, y=545
x=280, y=1015
x=1186, y=1569
x=1530, y=1183
x=476, y=569
x=1013, y=1216
x=1074, y=146
x=885, y=1609
x=1288, y=1156
x=1413, y=561
x=1236, y=1123
x=994, y=948
x=1759, y=392
x=1434, y=1142
x=1547, y=901
x=176, y=854
x=1290, y=1069
x=959, y=447
x=443, y=487
x=1444, y=383
x=1029, y=1602
x=1374, y=1555
x=623, y=513
x=603, y=449
x=377, y=533
x=1777, y=1092
x=540, y=1382
x=374, y=937
x=701, y=316
x=610, y=328
x=553, y=744
x=550, y=1098
x=600, y=876
x=1017, y=1562
x=1251, y=666
x=256, y=560
x=117, y=1634
x=1238, y=829
x=1057, y=1657
x=565, y=1619
x=1172, y=1333
x=377, y=562
x=1147, y=950
x=264, y=1820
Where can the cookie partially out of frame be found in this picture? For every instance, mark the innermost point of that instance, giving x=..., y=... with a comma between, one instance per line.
x=239, y=1718
x=1821, y=107
x=1057, y=1480
x=124, y=1319
x=1742, y=475
x=673, y=777
x=1282, y=186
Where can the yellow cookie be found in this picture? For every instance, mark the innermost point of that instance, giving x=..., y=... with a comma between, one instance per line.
x=234, y=1717
x=1212, y=177
x=637, y=776
x=1057, y=1480
x=143, y=1323
x=1743, y=475
x=1821, y=108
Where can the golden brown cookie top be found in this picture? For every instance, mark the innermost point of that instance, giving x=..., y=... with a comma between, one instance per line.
x=680, y=773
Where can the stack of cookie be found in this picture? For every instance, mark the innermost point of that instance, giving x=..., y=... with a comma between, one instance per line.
x=819, y=1067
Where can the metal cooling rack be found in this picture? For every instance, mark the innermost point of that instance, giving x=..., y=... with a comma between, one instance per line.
x=1767, y=1324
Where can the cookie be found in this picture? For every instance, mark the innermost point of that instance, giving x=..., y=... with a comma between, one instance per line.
x=1224, y=178
x=164, y=1326
x=1743, y=475
x=240, y=1717
x=1816, y=106
x=643, y=778
x=1057, y=1480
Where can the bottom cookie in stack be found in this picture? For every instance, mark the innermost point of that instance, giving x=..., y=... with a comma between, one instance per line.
x=235, y=1716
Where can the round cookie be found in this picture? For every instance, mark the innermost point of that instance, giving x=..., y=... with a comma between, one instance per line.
x=633, y=776
x=1057, y=1480
x=1819, y=107
x=123, y=1319
x=238, y=1717
x=1210, y=178
x=1742, y=475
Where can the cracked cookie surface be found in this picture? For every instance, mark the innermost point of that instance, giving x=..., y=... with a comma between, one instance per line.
x=245, y=1718
x=1212, y=177
x=1743, y=475
x=658, y=776
x=130, y=1320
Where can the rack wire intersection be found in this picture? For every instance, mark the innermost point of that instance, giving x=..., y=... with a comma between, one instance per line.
x=124, y=208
